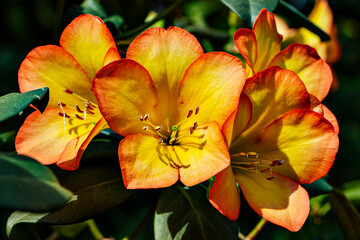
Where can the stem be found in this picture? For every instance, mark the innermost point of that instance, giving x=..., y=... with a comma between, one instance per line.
x=148, y=24
x=256, y=230
x=94, y=229
x=142, y=226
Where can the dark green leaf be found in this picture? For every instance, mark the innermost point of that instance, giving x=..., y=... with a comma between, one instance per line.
x=93, y=7
x=27, y=185
x=182, y=214
x=320, y=186
x=14, y=103
x=249, y=9
x=346, y=214
x=352, y=191
x=295, y=15
x=97, y=186
x=116, y=20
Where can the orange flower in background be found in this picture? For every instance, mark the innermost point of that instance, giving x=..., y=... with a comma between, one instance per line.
x=261, y=48
x=276, y=142
x=169, y=100
x=322, y=16
x=72, y=118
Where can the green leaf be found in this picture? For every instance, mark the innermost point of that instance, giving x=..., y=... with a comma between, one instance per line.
x=248, y=10
x=14, y=103
x=320, y=186
x=346, y=214
x=116, y=20
x=98, y=187
x=93, y=7
x=29, y=186
x=352, y=191
x=182, y=214
x=295, y=15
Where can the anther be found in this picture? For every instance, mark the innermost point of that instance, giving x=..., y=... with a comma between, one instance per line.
x=61, y=104
x=68, y=91
x=191, y=130
x=243, y=154
x=253, y=154
x=141, y=118
x=89, y=111
x=277, y=162
x=157, y=128
x=195, y=125
x=78, y=109
x=63, y=114
x=161, y=140
x=197, y=110
x=146, y=128
x=270, y=178
x=189, y=113
x=89, y=105
x=146, y=117
x=172, y=140
x=78, y=117
x=266, y=170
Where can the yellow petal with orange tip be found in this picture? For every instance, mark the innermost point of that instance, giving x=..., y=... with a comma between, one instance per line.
x=125, y=92
x=307, y=64
x=268, y=39
x=202, y=154
x=245, y=41
x=145, y=163
x=66, y=143
x=279, y=200
x=224, y=194
x=88, y=40
x=213, y=83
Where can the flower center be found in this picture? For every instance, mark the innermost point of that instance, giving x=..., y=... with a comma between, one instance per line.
x=250, y=161
x=165, y=137
x=89, y=109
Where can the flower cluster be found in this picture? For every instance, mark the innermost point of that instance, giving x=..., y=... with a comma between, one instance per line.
x=187, y=115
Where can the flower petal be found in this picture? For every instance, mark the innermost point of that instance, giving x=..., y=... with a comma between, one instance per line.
x=245, y=42
x=166, y=54
x=224, y=194
x=125, y=91
x=272, y=92
x=306, y=63
x=51, y=66
x=73, y=151
x=306, y=142
x=279, y=200
x=331, y=118
x=34, y=140
x=88, y=39
x=111, y=56
x=238, y=120
x=214, y=83
x=268, y=39
x=202, y=154
x=145, y=163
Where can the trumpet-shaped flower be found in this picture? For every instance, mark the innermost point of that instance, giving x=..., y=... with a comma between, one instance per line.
x=276, y=142
x=261, y=48
x=169, y=100
x=72, y=118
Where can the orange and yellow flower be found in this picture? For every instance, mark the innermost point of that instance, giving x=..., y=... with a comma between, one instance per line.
x=261, y=48
x=276, y=142
x=169, y=100
x=72, y=118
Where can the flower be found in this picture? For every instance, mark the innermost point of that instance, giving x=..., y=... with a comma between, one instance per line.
x=276, y=142
x=322, y=16
x=72, y=118
x=169, y=100
x=261, y=48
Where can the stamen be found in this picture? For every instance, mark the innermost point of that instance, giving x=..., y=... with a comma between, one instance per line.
x=189, y=113
x=146, y=128
x=68, y=91
x=157, y=128
x=195, y=125
x=266, y=170
x=172, y=140
x=270, y=178
x=277, y=162
x=146, y=117
x=90, y=112
x=78, y=109
x=161, y=140
x=60, y=104
x=90, y=105
x=63, y=114
x=197, y=109
x=191, y=130
x=253, y=154
x=141, y=118
x=78, y=117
